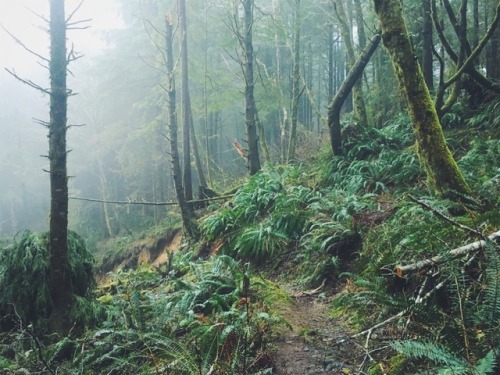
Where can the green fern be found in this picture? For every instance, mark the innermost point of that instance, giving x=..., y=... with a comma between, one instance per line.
x=433, y=352
x=24, y=282
x=448, y=362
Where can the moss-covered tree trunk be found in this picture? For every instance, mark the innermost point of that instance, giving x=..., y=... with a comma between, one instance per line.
x=60, y=275
x=441, y=169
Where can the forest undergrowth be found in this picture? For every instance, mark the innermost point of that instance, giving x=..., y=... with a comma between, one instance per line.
x=349, y=230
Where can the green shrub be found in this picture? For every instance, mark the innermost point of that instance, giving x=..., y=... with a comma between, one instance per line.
x=24, y=280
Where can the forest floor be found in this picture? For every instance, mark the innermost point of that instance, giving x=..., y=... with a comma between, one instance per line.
x=310, y=348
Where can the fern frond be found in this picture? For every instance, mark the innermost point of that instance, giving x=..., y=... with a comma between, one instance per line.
x=433, y=352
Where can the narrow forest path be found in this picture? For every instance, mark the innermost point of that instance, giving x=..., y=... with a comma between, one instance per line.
x=309, y=348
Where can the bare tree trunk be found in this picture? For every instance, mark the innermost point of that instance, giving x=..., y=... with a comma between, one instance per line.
x=357, y=91
x=493, y=54
x=283, y=114
x=427, y=47
x=60, y=275
x=475, y=23
x=292, y=142
x=331, y=68
x=262, y=138
x=187, y=213
x=360, y=24
x=107, y=219
x=186, y=106
x=197, y=159
x=250, y=108
x=436, y=159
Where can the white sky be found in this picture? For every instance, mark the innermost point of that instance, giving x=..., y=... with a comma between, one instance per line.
x=20, y=17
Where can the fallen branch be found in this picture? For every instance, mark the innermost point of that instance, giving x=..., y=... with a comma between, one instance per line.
x=311, y=292
x=368, y=332
x=446, y=218
x=145, y=203
x=475, y=246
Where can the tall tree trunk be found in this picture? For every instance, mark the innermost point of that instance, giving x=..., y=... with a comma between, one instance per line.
x=262, y=139
x=250, y=108
x=475, y=23
x=437, y=161
x=427, y=47
x=197, y=159
x=208, y=154
x=360, y=24
x=331, y=68
x=108, y=218
x=187, y=213
x=336, y=104
x=186, y=105
x=283, y=114
x=357, y=91
x=60, y=276
x=493, y=54
x=292, y=144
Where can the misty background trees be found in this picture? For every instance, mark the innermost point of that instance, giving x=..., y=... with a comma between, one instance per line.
x=303, y=51
x=335, y=160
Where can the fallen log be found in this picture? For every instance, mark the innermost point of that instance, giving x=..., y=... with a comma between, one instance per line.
x=475, y=246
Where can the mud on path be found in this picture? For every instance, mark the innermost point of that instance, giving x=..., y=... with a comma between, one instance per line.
x=310, y=347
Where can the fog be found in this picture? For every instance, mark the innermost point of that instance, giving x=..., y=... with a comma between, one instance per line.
x=118, y=113
x=24, y=184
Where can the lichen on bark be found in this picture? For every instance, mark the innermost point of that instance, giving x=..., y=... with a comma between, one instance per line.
x=435, y=156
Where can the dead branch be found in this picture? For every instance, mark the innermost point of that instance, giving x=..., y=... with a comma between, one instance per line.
x=311, y=292
x=446, y=218
x=146, y=203
x=25, y=47
x=368, y=332
x=70, y=16
x=28, y=82
x=475, y=246
x=239, y=149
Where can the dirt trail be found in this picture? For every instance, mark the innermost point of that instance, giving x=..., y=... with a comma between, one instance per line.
x=310, y=349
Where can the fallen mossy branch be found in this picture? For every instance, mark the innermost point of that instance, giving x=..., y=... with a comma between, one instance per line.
x=462, y=250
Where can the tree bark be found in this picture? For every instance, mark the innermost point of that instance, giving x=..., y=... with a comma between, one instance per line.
x=360, y=24
x=250, y=108
x=186, y=106
x=336, y=104
x=427, y=47
x=493, y=54
x=60, y=275
x=436, y=159
x=357, y=90
x=187, y=213
x=292, y=142
x=476, y=82
x=196, y=153
x=283, y=114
